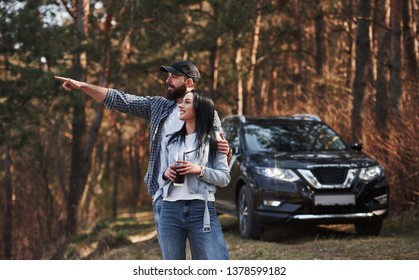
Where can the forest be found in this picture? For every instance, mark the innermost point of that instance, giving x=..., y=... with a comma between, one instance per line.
x=66, y=161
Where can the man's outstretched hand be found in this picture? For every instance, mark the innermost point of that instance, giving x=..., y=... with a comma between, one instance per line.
x=98, y=93
x=69, y=84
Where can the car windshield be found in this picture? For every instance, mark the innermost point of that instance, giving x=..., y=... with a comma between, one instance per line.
x=291, y=136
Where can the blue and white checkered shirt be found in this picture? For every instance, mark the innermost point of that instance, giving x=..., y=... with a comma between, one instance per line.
x=153, y=108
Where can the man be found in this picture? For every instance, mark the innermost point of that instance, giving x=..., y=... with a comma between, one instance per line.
x=162, y=112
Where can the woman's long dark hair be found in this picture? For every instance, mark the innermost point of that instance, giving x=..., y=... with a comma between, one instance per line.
x=204, y=123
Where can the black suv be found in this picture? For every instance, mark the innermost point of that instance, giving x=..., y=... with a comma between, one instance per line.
x=297, y=169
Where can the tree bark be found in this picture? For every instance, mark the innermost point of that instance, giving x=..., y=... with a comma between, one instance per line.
x=381, y=85
x=8, y=209
x=320, y=49
x=238, y=63
x=82, y=151
x=118, y=160
x=274, y=91
x=395, y=75
x=409, y=44
x=350, y=43
x=214, y=67
x=253, y=57
x=362, y=57
x=300, y=79
x=319, y=26
x=78, y=164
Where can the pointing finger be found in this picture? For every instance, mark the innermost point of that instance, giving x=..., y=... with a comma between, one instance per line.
x=60, y=78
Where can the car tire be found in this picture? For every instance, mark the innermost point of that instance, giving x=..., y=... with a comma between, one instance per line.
x=369, y=228
x=248, y=227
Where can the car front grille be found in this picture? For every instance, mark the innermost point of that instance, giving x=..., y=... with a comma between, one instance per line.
x=327, y=176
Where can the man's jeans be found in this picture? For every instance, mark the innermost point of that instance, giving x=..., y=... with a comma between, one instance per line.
x=182, y=220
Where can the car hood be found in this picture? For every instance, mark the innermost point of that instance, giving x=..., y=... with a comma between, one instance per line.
x=308, y=160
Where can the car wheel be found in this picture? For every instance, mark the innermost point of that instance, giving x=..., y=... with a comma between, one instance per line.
x=248, y=227
x=369, y=228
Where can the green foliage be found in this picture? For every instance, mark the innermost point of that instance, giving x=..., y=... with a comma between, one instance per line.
x=27, y=87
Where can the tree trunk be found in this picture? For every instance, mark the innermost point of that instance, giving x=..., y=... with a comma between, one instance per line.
x=381, y=85
x=253, y=57
x=77, y=164
x=300, y=83
x=409, y=44
x=238, y=62
x=214, y=67
x=8, y=209
x=395, y=76
x=350, y=43
x=82, y=151
x=47, y=214
x=320, y=49
x=263, y=105
x=415, y=7
x=319, y=26
x=118, y=160
x=78, y=168
x=362, y=58
x=274, y=91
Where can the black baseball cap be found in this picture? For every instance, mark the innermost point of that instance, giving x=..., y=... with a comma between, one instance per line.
x=183, y=68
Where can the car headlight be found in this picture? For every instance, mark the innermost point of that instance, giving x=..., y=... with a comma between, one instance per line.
x=371, y=173
x=278, y=173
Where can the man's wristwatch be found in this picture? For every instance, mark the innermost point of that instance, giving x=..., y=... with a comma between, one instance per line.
x=203, y=170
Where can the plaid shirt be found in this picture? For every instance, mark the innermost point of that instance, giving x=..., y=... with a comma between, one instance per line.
x=153, y=108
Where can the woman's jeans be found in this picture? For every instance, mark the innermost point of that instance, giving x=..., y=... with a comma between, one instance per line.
x=182, y=220
x=157, y=205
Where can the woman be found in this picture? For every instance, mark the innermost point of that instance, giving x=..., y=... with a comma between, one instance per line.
x=188, y=210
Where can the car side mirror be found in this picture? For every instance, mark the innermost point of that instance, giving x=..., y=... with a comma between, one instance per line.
x=357, y=146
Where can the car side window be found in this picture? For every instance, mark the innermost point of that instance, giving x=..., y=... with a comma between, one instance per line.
x=235, y=134
x=231, y=132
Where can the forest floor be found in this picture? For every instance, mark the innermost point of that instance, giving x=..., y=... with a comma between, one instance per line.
x=133, y=237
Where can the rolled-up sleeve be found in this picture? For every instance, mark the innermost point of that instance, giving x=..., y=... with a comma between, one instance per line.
x=219, y=173
x=128, y=103
x=109, y=99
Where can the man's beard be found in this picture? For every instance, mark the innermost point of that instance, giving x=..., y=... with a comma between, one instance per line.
x=176, y=93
